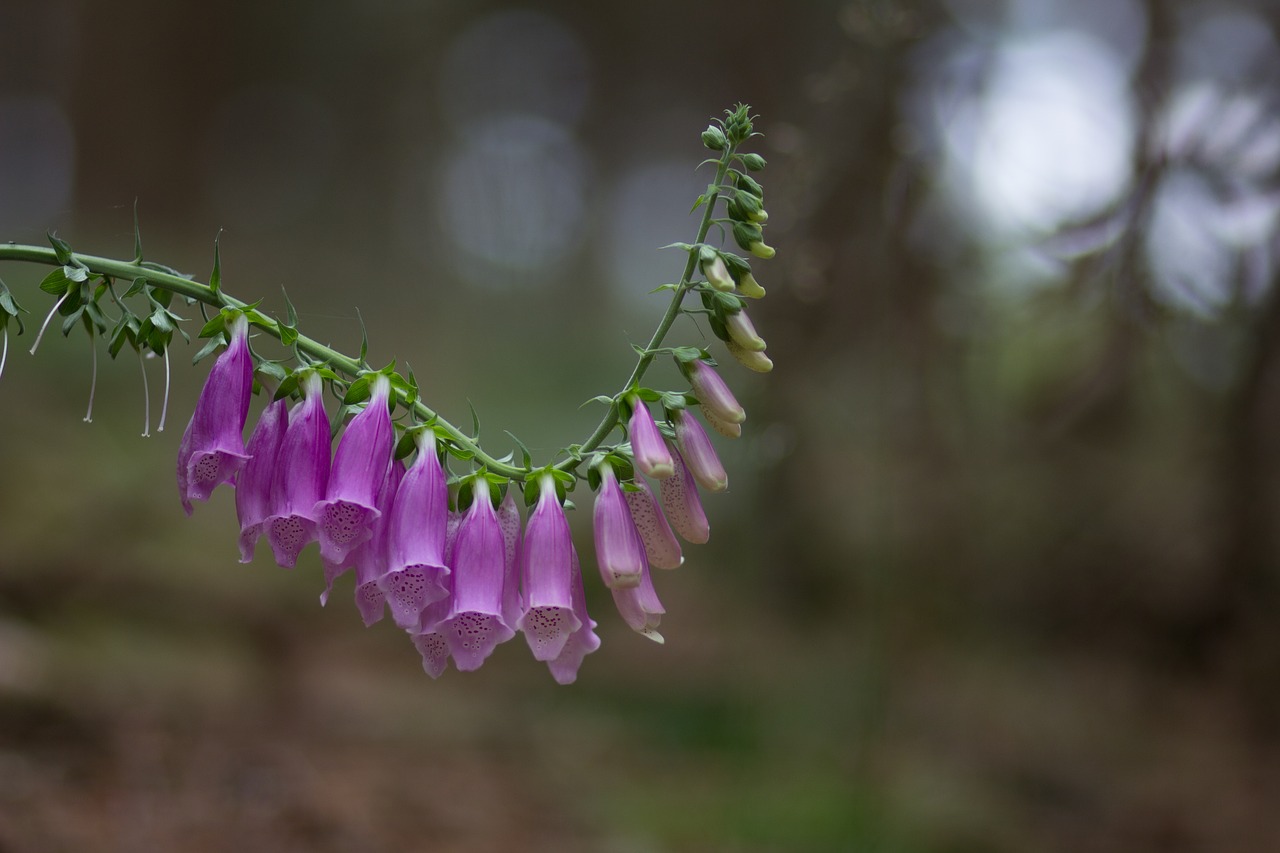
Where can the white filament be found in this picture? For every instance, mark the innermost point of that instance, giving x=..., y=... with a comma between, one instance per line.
x=146, y=399
x=45, y=325
x=93, y=383
x=164, y=407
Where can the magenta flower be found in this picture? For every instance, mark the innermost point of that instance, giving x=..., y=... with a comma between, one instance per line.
x=619, y=551
x=212, y=448
x=660, y=544
x=546, y=573
x=475, y=624
x=370, y=557
x=301, y=475
x=416, y=532
x=650, y=451
x=640, y=608
x=582, y=642
x=713, y=393
x=253, y=482
x=699, y=455
x=344, y=517
x=679, y=498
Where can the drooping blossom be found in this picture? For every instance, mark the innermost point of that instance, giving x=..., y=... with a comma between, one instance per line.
x=546, y=575
x=640, y=608
x=678, y=496
x=344, y=517
x=370, y=557
x=648, y=448
x=253, y=483
x=660, y=545
x=416, y=534
x=698, y=454
x=749, y=287
x=475, y=624
x=717, y=273
x=582, y=642
x=301, y=475
x=619, y=551
x=712, y=392
x=212, y=448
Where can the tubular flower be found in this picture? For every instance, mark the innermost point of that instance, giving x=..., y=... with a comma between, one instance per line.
x=370, y=557
x=713, y=393
x=582, y=642
x=475, y=626
x=743, y=332
x=750, y=359
x=619, y=551
x=300, y=477
x=416, y=532
x=253, y=483
x=699, y=455
x=546, y=574
x=212, y=448
x=650, y=451
x=679, y=498
x=344, y=517
x=640, y=608
x=660, y=545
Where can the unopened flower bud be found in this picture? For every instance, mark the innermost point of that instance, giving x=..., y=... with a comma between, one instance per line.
x=698, y=453
x=742, y=332
x=750, y=359
x=760, y=217
x=713, y=393
x=650, y=451
x=761, y=250
x=717, y=274
x=749, y=184
x=753, y=162
x=749, y=287
x=713, y=138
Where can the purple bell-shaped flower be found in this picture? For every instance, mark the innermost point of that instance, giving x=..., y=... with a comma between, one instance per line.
x=301, y=475
x=416, y=534
x=547, y=560
x=212, y=448
x=253, y=483
x=475, y=624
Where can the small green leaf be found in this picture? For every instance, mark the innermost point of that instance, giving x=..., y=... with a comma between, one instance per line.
x=215, y=327
x=525, y=455
x=139, y=285
x=215, y=277
x=364, y=337
x=137, y=235
x=60, y=248
x=288, y=334
x=475, y=422
x=601, y=398
x=55, y=282
x=288, y=387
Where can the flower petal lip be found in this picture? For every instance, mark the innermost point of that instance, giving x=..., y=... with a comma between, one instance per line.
x=698, y=453
x=649, y=450
x=619, y=552
x=582, y=642
x=212, y=448
x=345, y=515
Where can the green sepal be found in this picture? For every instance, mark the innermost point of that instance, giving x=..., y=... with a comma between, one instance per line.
x=210, y=346
x=216, y=326
x=137, y=235
x=273, y=369
x=358, y=390
x=685, y=355
x=9, y=307
x=61, y=250
x=688, y=247
x=526, y=457
x=215, y=277
x=647, y=394
x=746, y=233
x=125, y=331
x=746, y=182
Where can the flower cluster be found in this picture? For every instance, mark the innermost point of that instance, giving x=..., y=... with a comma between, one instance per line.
x=459, y=561
x=453, y=562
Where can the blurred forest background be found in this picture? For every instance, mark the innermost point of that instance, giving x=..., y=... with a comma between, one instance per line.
x=998, y=569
